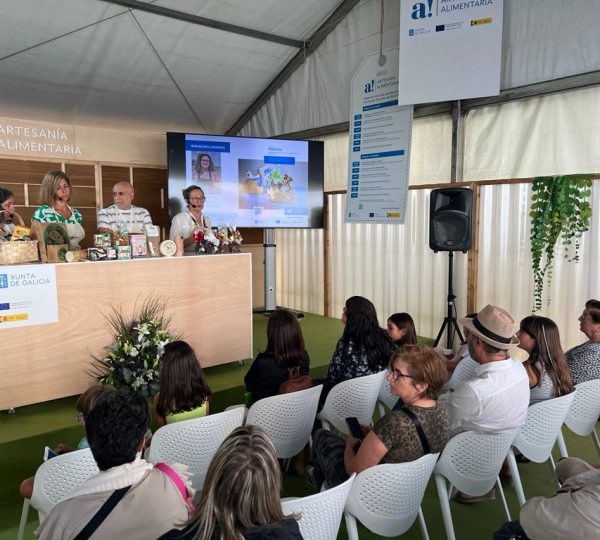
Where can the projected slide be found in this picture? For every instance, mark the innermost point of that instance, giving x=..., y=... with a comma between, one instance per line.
x=250, y=182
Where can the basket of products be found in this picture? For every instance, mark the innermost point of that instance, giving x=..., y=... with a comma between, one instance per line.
x=19, y=251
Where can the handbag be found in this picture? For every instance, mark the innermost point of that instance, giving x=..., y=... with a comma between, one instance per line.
x=295, y=381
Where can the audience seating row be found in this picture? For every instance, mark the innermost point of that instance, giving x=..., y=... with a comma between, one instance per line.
x=385, y=498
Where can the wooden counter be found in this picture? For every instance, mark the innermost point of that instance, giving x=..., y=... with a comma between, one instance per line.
x=209, y=299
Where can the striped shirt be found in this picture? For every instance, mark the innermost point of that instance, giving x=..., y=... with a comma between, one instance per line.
x=134, y=217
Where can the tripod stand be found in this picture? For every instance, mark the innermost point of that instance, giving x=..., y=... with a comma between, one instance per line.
x=450, y=323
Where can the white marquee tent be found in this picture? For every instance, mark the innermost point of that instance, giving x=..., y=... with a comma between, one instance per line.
x=272, y=68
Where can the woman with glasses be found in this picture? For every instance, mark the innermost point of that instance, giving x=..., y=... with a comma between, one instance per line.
x=186, y=223
x=546, y=366
x=206, y=174
x=416, y=375
x=584, y=360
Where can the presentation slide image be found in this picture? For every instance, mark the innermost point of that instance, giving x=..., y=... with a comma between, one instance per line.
x=205, y=171
x=272, y=184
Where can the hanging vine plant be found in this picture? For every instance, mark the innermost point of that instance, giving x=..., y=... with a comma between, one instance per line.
x=560, y=207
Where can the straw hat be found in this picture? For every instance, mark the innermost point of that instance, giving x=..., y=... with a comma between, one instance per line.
x=493, y=325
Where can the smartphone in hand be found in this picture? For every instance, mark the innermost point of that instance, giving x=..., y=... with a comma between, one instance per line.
x=354, y=427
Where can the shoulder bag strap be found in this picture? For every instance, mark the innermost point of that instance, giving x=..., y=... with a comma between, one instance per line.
x=102, y=513
x=419, y=427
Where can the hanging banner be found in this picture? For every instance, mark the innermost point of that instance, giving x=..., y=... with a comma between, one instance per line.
x=27, y=295
x=449, y=49
x=379, y=153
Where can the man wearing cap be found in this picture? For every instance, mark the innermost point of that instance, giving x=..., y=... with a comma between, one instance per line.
x=123, y=215
x=498, y=397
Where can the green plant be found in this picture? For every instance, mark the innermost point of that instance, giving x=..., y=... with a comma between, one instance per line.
x=560, y=207
x=132, y=361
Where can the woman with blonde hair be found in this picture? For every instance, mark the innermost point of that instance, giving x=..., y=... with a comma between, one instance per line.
x=55, y=195
x=241, y=494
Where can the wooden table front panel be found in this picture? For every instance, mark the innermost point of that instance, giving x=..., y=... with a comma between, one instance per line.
x=208, y=297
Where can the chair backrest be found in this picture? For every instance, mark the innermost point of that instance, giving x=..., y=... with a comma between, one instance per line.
x=321, y=514
x=356, y=397
x=60, y=476
x=464, y=371
x=194, y=442
x=472, y=460
x=585, y=409
x=288, y=419
x=385, y=395
x=535, y=439
x=386, y=498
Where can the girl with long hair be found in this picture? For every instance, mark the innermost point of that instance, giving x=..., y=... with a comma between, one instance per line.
x=183, y=393
x=546, y=366
x=364, y=347
x=285, y=350
x=401, y=329
x=241, y=494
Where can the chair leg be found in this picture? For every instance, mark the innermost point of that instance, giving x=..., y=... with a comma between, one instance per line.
x=351, y=527
x=561, y=445
x=445, y=506
x=553, y=469
x=423, y=525
x=23, y=523
x=596, y=441
x=499, y=484
x=514, y=469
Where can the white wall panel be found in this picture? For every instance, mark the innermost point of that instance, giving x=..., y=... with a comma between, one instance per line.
x=299, y=269
x=393, y=266
x=505, y=276
x=549, y=135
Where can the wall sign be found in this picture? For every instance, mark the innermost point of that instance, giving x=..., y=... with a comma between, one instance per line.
x=380, y=134
x=449, y=49
x=27, y=295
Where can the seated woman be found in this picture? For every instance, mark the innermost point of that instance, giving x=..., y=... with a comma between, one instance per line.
x=416, y=375
x=401, y=329
x=546, y=366
x=584, y=360
x=183, y=393
x=55, y=195
x=240, y=498
x=8, y=217
x=285, y=350
x=364, y=347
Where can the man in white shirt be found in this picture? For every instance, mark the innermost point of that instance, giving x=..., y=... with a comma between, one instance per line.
x=123, y=215
x=497, y=398
x=129, y=497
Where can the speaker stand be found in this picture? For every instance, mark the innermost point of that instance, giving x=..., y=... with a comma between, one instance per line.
x=450, y=323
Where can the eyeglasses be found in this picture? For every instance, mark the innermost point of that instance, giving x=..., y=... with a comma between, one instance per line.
x=120, y=193
x=197, y=199
x=397, y=374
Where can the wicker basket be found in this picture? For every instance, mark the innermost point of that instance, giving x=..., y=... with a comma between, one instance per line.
x=19, y=252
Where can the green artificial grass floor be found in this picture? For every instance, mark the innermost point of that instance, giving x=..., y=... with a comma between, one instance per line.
x=23, y=436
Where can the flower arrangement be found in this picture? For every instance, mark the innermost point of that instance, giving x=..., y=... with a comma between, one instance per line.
x=132, y=361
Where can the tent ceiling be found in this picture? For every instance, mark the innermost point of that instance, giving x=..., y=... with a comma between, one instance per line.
x=93, y=62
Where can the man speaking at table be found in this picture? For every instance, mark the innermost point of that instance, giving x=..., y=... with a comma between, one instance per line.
x=123, y=215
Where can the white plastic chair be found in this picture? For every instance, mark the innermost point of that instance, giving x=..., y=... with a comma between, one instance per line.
x=463, y=371
x=356, y=397
x=194, y=442
x=471, y=462
x=535, y=439
x=288, y=419
x=385, y=397
x=583, y=414
x=321, y=514
x=387, y=498
x=55, y=480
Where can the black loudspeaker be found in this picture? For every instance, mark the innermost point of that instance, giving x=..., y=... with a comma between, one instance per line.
x=450, y=219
